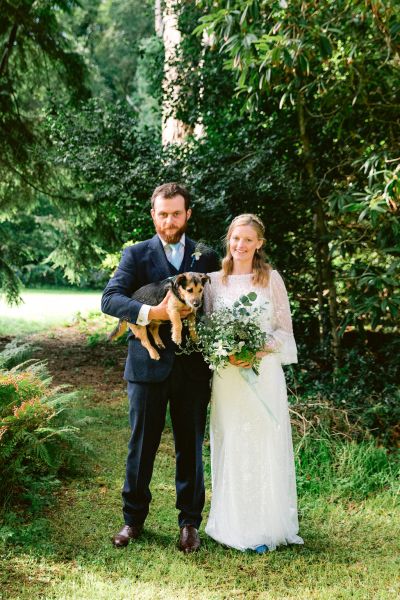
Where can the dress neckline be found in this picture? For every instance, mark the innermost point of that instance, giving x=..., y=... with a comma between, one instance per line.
x=232, y=275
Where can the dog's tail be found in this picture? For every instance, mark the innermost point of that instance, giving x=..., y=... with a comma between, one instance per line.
x=118, y=331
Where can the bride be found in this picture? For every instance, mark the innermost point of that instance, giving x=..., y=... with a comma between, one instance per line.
x=254, y=504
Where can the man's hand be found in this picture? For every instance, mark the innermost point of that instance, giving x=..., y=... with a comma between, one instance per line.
x=159, y=312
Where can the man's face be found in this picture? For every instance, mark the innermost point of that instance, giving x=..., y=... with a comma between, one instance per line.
x=170, y=218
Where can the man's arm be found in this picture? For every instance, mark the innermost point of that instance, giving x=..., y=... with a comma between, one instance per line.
x=116, y=300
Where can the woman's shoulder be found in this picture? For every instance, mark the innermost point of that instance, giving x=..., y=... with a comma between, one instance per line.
x=277, y=281
x=276, y=275
x=215, y=275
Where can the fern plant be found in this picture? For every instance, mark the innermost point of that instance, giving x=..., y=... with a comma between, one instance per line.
x=37, y=435
x=15, y=353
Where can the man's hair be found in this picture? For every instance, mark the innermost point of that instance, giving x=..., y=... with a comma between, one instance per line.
x=169, y=190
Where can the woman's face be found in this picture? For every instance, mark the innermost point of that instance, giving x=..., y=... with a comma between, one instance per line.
x=243, y=243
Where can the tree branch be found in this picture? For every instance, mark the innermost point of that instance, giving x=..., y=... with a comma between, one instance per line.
x=33, y=186
x=8, y=49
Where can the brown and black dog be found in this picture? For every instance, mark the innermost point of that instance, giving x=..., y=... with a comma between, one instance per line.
x=186, y=292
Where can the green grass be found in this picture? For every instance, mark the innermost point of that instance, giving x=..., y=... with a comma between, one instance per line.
x=44, y=308
x=351, y=540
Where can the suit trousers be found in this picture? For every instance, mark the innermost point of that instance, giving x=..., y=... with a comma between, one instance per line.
x=188, y=400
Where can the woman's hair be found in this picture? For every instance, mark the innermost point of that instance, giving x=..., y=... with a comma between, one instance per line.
x=261, y=269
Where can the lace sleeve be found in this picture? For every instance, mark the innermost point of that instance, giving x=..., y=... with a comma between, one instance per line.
x=283, y=331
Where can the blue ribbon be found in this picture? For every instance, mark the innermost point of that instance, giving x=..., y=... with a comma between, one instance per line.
x=252, y=379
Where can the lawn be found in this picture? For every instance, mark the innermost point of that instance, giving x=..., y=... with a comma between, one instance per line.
x=44, y=308
x=351, y=525
x=351, y=548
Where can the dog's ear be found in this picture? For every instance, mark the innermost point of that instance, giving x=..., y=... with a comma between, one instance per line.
x=181, y=280
x=204, y=279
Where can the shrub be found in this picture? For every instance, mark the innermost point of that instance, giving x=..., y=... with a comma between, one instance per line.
x=357, y=401
x=15, y=353
x=37, y=438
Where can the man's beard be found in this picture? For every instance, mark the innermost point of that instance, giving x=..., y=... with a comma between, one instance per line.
x=171, y=238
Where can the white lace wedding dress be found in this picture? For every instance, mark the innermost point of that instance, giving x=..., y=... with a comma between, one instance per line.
x=254, y=499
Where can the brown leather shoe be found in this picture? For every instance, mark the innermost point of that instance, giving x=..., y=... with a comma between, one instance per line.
x=128, y=532
x=189, y=540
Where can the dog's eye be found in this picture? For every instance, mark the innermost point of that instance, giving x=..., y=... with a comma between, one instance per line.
x=189, y=290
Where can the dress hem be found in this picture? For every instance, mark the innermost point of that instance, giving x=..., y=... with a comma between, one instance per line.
x=292, y=540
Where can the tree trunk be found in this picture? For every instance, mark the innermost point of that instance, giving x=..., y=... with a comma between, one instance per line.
x=325, y=275
x=174, y=131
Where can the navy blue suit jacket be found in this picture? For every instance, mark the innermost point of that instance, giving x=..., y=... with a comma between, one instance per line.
x=141, y=264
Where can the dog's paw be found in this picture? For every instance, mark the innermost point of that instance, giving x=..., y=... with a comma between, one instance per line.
x=177, y=339
x=159, y=344
x=154, y=354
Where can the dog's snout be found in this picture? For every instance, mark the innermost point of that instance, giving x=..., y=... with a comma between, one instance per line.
x=196, y=303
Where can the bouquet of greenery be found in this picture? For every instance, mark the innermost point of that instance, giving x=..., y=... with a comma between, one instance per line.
x=234, y=330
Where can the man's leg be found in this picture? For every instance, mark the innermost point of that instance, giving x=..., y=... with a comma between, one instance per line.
x=188, y=405
x=147, y=408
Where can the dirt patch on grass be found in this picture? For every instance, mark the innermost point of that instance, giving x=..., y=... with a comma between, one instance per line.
x=72, y=360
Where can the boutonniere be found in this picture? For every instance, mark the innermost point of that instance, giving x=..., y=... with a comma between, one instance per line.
x=198, y=252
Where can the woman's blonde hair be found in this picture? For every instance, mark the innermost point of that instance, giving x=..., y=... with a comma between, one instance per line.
x=261, y=269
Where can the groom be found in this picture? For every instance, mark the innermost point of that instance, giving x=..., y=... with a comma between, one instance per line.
x=180, y=379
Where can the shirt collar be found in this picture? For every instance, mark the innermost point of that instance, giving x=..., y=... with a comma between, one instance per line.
x=164, y=243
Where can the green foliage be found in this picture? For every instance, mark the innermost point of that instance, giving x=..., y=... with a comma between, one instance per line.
x=112, y=35
x=96, y=327
x=367, y=249
x=10, y=284
x=37, y=439
x=359, y=400
x=325, y=79
x=37, y=57
x=36, y=52
x=52, y=56
x=28, y=239
x=15, y=353
x=113, y=166
x=149, y=77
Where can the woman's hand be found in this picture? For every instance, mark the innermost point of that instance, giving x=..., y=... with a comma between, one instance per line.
x=239, y=363
x=245, y=364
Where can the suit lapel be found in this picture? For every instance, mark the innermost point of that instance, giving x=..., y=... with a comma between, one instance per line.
x=159, y=259
x=187, y=257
